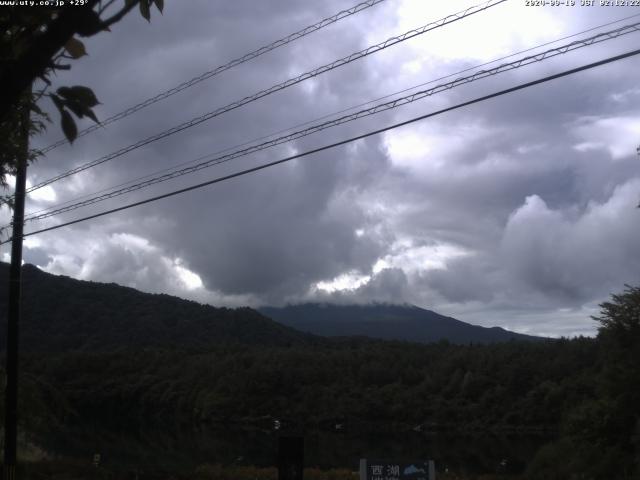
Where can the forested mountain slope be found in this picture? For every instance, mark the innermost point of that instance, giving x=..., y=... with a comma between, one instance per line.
x=62, y=314
x=387, y=322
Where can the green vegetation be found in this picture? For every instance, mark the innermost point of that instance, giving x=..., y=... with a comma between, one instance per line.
x=601, y=436
x=184, y=365
x=362, y=384
x=38, y=41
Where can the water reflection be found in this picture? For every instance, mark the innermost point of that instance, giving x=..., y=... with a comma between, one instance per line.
x=183, y=451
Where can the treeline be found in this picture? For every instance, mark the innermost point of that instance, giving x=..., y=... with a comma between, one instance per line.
x=356, y=383
x=571, y=388
x=585, y=392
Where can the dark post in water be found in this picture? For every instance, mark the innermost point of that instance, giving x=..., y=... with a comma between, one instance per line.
x=290, y=458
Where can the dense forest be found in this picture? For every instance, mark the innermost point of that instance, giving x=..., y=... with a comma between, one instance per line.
x=568, y=388
x=583, y=393
x=358, y=383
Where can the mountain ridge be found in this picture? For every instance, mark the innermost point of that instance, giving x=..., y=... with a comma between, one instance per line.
x=60, y=313
x=404, y=322
x=64, y=314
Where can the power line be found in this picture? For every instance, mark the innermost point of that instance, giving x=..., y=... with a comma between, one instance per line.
x=561, y=50
x=376, y=109
x=308, y=122
x=342, y=142
x=275, y=88
x=222, y=68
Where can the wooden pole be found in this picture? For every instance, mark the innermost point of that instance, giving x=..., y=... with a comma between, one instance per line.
x=13, y=317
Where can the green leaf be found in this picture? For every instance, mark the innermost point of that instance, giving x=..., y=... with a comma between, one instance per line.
x=58, y=102
x=89, y=113
x=85, y=95
x=36, y=109
x=144, y=10
x=79, y=100
x=80, y=94
x=64, y=92
x=75, y=48
x=75, y=107
x=159, y=4
x=90, y=24
x=44, y=79
x=69, y=126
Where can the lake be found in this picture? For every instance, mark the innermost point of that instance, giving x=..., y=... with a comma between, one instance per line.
x=182, y=451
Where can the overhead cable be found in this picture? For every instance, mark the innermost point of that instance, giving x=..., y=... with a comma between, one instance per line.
x=336, y=144
x=222, y=68
x=275, y=88
x=330, y=115
x=563, y=49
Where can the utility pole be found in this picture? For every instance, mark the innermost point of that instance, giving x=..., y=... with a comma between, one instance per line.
x=13, y=318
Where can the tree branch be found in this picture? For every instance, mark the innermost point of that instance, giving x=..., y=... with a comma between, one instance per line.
x=103, y=8
x=118, y=16
x=33, y=64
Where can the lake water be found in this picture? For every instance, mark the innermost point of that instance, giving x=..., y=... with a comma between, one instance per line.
x=183, y=451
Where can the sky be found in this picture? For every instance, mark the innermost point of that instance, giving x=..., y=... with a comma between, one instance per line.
x=520, y=211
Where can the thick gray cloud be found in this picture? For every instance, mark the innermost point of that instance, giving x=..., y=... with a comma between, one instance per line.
x=519, y=211
x=36, y=256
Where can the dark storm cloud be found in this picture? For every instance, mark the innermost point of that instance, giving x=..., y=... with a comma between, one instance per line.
x=276, y=233
x=526, y=185
x=280, y=231
x=36, y=256
x=529, y=159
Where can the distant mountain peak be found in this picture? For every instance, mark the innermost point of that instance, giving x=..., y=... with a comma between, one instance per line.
x=386, y=321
